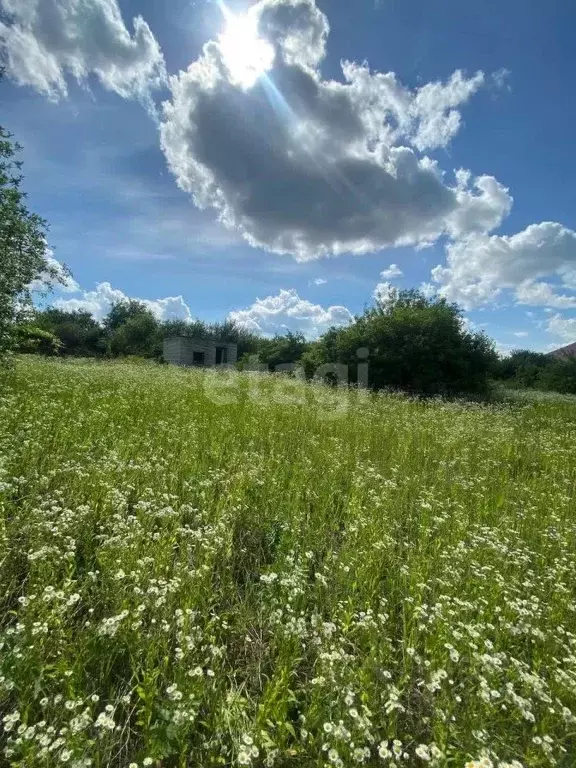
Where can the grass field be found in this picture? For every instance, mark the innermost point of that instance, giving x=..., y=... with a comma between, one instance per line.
x=295, y=577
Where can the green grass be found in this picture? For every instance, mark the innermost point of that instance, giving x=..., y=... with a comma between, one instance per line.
x=300, y=577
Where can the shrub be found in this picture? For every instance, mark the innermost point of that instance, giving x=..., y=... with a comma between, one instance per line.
x=559, y=375
x=414, y=343
x=33, y=340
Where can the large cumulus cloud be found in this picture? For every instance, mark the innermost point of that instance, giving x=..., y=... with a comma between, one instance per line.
x=288, y=312
x=100, y=301
x=479, y=268
x=44, y=41
x=311, y=167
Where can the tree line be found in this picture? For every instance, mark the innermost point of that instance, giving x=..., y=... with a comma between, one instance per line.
x=524, y=369
x=408, y=341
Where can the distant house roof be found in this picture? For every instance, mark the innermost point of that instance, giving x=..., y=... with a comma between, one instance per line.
x=568, y=351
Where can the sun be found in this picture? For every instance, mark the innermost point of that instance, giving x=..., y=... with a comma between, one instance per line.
x=245, y=55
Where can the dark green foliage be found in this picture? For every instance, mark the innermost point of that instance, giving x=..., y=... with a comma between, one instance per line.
x=282, y=350
x=121, y=312
x=79, y=333
x=196, y=328
x=522, y=368
x=415, y=344
x=22, y=244
x=559, y=376
x=139, y=335
x=33, y=340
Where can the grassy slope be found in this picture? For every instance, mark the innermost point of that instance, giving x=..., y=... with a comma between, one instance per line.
x=281, y=583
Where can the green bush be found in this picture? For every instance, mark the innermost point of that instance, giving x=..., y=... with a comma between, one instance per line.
x=522, y=368
x=413, y=343
x=33, y=340
x=559, y=375
x=139, y=335
x=79, y=333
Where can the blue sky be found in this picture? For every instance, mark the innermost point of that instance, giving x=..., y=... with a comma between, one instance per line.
x=323, y=187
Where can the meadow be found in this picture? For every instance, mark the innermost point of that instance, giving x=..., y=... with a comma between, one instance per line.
x=203, y=571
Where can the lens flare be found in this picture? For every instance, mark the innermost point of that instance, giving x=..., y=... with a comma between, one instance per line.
x=245, y=55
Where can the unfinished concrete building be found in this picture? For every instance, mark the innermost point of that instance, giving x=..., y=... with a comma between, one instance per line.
x=187, y=350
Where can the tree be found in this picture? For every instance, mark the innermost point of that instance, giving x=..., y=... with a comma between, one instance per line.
x=522, y=368
x=133, y=330
x=559, y=376
x=79, y=333
x=31, y=339
x=197, y=329
x=413, y=343
x=122, y=311
x=281, y=350
x=22, y=245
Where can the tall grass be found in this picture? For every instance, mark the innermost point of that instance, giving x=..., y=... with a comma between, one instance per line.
x=195, y=572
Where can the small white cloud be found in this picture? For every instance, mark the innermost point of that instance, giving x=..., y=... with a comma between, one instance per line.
x=99, y=302
x=501, y=79
x=319, y=281
x=45, y=41
x=288, y=312
x=469, y=325
x=391, y=272
x=521, y=334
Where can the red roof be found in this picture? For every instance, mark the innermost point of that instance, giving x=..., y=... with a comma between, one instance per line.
x=568, y=351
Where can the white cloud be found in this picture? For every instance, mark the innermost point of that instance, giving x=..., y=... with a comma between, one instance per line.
x=383, y=292
x=427, y=117
x=542, y=294
x=480, y=267
x=288, y=312
x=99, y=302
x=45, y=41
x=521, y=334
x=391, y=272
x=503, y=349
x=170, y=308
x=428, y=290
x=483, y=204
x=311, y=167
x=296, y=28
x=434, y=109
x=319, y=281
x=564, y=327
x=57, y=278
